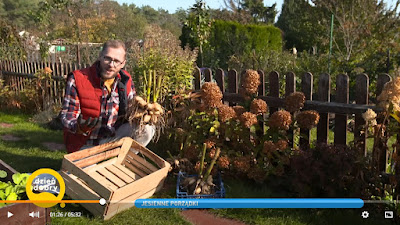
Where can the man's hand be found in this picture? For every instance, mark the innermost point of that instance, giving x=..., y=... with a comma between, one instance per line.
x=85, y=126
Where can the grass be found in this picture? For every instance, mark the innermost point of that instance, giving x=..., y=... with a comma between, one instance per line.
x=29, y=154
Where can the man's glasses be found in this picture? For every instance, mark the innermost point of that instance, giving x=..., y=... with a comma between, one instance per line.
x=110, y=60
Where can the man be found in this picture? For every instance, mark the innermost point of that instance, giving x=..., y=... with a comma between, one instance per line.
x=95, y=102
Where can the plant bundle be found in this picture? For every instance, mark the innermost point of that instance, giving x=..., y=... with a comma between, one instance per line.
x=203, y=182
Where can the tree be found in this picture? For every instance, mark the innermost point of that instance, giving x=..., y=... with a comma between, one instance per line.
x=18, y=12
x=361, y=24
x=197, y=27
x=253, y=8
x=302, y=25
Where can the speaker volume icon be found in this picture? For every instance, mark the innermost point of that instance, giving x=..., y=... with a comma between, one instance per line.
x=34, y=214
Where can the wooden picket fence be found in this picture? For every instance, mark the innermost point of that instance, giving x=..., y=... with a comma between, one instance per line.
x=269, y=90
x=16, y=72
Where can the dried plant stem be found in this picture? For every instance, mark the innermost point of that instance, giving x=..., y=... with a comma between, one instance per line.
x=149, y=86
x=217, y=152
x=202, y=159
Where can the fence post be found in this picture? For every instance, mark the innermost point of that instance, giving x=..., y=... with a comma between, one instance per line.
x=360, y=130
x=342, y=96
x=324, y=91
x=307, y=89
x=381, y=152
x=290, y=88
x=208, y=75
x=273, y=88
x=261, y=92
x=197, y=78
x=219, y=78
x=233, y=83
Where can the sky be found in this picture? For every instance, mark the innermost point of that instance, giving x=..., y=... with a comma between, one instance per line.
x=172, y=5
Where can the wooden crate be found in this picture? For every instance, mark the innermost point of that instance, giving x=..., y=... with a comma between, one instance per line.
x=113, y=171
x=21, y=210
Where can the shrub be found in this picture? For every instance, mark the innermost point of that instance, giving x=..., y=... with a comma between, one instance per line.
x=161, y=53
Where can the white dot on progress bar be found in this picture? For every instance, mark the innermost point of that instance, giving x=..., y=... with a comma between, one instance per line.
x=103, y=201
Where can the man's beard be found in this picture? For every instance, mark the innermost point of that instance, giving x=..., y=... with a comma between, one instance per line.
x=105, y=75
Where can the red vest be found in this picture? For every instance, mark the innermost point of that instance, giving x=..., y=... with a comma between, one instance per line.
x=87, y=84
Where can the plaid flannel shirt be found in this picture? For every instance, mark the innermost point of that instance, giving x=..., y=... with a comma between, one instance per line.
x=108, y=115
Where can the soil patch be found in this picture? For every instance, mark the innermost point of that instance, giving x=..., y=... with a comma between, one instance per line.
x=9, y=137
x=6, y=125
x=54, y=146
x=203, y=217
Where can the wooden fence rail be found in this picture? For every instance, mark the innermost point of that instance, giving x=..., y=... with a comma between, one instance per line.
x=15, y=73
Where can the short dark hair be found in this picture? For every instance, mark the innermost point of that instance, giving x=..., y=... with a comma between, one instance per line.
x=113, y=44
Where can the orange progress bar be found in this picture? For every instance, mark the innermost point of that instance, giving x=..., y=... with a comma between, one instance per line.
x=50, y=201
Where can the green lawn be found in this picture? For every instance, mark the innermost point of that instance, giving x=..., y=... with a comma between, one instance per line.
x=29, y=154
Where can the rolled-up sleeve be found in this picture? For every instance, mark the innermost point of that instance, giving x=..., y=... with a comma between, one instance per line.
x=71, y=106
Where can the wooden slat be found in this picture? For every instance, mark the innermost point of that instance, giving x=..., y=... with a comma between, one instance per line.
x=233, y=83
x=197, y=79
x=94, y=150
x=109, y=162
x=94, y=184
x=115, y=208
x=126, y=146
x=360, y=134
x=130, y=164
x=141, y=163
x=145, y=183
x=382, y=148
x=380, y=83
x=103, y=180
x=324, y=92
x=98, y=158
x=273, y=88
x=342, y=95
x=128, y=172
x=112, y=177
x=207, y=75
x=149, y=154
x=78, y=190
x=290, y=88
x=290, y=83
x=219, y=78
x=307, y=89
x=123, y=176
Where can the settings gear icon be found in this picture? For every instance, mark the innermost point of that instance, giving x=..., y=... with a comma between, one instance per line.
x=365, y=214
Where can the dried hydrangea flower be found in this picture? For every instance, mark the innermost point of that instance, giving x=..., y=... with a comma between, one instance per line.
x=211, y=154
x=239, y=110
x=295, y=101
x=209, y=143
x=223, y=162
x=242, y=164
x=369, y=115
x=250, y=82
x=269, y=146
x=211, y=94
x=47, y=70
x=248, y=119
x=390, y=95
x=307, y=119
x=282, y=144
x=225, y=113
x=258, y=106
x=280, y=119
